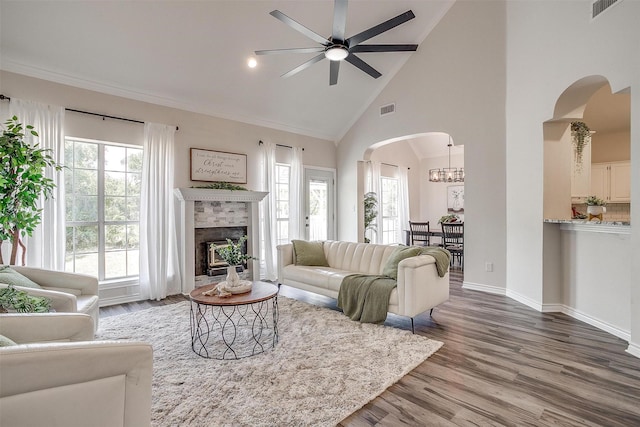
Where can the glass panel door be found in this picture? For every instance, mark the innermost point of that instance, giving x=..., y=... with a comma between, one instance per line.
x=319, y=204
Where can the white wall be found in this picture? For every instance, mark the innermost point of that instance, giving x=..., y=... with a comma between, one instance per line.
x=196, y=130
x=433, y=203
x=551, y=45
x=610, y=147
x=454, y=83
x=596, y=278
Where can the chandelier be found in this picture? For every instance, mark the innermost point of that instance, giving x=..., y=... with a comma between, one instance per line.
x=447, y=174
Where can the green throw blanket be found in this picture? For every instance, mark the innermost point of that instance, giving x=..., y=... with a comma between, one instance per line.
x=442, y=257
x=365, y=298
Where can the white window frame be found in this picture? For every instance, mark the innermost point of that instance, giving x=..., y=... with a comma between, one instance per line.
x=388, y=233
x=280, y=239
x=101, y=223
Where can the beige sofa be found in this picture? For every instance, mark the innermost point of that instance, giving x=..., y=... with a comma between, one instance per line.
x=419, y=289
x=68, y=292
x=57, y=376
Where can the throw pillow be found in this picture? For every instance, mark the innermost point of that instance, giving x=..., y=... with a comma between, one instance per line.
x=11, y=277
x=401, y=252
x=309, y=253
x=6, y=341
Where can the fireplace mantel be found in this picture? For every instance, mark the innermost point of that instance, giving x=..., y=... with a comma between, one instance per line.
x=186, y=226
x=210, y=195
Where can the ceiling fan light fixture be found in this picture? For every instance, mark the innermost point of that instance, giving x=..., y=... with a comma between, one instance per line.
x=336, y=52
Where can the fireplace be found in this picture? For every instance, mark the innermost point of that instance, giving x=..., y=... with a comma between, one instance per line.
x=218, y=235
x=215, y=265
x=207, y=215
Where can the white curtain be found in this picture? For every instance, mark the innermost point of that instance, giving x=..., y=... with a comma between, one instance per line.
x=296, y=213
x=46, y=246
x=372, y=185
x=268, y=212
x=159, y=265
x=403, y=203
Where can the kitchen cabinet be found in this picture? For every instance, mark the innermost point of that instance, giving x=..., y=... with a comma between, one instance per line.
x=611, y=181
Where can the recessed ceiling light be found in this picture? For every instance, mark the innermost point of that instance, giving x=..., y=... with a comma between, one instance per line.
x=252, y=63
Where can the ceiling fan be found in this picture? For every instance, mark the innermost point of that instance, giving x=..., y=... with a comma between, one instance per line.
x=337, y=48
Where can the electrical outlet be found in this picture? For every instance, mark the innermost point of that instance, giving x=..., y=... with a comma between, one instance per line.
x=488, y=266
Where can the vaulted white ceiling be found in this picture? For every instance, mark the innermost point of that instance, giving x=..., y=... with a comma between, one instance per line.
x=193, y=55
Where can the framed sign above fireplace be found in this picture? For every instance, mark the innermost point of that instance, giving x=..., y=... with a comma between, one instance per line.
x=218, y=166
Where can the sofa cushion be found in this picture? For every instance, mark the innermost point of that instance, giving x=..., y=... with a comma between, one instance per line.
x=309, y=253
x=11, y=277
x=401, y=252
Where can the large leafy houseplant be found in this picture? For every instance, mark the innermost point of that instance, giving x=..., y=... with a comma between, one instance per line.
x=370, y=214
x=22, y=183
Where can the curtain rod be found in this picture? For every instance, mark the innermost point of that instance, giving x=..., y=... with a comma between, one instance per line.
x=279, y=145
x=104, y=116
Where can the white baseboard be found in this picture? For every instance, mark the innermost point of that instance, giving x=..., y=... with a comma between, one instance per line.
x=105, y=302
x=553, y=308
x=634, y=350
x=484, y=288
x=524, y=300
x=586, y=318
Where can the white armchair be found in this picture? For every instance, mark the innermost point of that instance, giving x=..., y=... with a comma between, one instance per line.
x=68, y=292
x=73, y=383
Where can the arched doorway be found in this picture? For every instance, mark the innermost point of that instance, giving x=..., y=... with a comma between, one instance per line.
x=580, y=255
x=419, y=153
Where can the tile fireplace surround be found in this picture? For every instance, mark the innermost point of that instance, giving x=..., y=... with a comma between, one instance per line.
x=186, y=223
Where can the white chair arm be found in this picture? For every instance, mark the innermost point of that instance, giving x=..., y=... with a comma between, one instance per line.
x=285, y=257
x=43, y=327
x=419, y=285
x=108, y=382
x=88, y=285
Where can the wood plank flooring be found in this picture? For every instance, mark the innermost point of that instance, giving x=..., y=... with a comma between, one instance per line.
x=503, y=364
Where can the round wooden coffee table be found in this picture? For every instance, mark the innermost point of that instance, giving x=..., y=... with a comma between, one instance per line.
x=237, y=326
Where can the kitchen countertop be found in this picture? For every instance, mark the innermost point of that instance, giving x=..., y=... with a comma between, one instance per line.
x=612, y=227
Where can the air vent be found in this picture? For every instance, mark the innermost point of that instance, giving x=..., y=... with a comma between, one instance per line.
x=387, y=109
x=600, y=6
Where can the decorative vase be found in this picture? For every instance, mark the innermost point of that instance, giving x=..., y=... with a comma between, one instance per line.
x=233, y=279
x=595, y=212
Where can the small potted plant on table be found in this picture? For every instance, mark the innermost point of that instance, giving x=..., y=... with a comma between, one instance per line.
x=595, y=207
x=234, y=255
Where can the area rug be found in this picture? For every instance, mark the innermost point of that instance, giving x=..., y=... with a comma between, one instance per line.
x=324, y=368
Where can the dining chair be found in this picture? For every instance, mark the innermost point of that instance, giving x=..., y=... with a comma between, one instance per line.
x=420, y=233
x=453, y=241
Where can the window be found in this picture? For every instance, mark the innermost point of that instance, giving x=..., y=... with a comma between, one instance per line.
x=283, y=171
x=102, y=191
x=389, y=208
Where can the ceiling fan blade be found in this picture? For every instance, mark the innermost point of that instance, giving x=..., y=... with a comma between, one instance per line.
x=384, y=48
x=339, y=20
x=354, y=60
x=333, y=72
x=293, y=50
x=299, y=27
x=304, y=65
x=380, y=28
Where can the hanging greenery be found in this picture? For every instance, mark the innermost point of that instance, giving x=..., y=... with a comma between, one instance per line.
x=580, y=135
